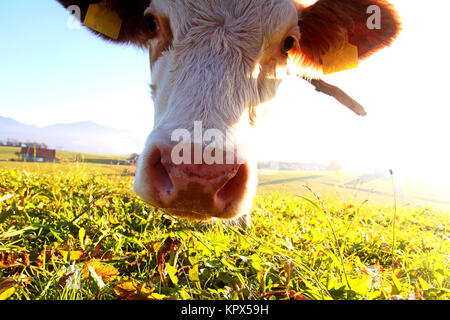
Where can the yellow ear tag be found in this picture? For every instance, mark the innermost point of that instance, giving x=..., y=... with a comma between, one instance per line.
x=102, y=19
x=339, y=60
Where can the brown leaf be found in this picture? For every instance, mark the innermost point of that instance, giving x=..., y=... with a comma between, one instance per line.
x=6, y=283
x=299, y=296
x=46, y=255
x=63, y=281
x=107, y=272
x=125, y=290
x=168, y=245
x=290, y=294
x=8, y=259
x=133, y=290
x=97, y=252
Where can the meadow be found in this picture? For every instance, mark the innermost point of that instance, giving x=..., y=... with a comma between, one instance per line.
x=9, y=153
x=78, y=232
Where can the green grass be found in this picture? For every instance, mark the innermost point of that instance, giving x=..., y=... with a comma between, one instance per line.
x=300, y=246
x=8, y=153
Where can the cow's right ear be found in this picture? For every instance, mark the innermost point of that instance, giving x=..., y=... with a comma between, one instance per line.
x=119, y=21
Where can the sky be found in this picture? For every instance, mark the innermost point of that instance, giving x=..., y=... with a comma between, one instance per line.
x=51, y=73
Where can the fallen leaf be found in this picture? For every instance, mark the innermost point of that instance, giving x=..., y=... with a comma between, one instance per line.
x=168, y=245
x=8, y=259
x=6, y=283
x=290, y=294
x=132, y=290
x=299, y=296
x=105, y=271
x=46, y=255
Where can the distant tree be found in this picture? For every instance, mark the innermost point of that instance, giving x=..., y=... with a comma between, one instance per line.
x=79, y=157
x=38, y=145
x=13, y=143
x=133, y=158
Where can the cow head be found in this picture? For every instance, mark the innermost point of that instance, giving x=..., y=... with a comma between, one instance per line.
x=214, y=65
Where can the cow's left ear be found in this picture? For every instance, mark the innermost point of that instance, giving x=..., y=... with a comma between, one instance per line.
x=336, y=34
x=120, y=21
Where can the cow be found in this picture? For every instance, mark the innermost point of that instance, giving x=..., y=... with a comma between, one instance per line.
x=215, y=64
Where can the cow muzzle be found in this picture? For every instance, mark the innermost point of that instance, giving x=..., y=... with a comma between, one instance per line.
x=192, y=190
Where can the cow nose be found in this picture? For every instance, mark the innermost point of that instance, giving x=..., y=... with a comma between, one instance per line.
x=195, y=190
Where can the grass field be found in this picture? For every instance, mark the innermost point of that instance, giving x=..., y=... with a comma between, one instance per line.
x=8, y=153
x=64, y=226
x=375, y=188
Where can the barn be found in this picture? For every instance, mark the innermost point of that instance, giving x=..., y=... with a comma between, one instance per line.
x=31, y=154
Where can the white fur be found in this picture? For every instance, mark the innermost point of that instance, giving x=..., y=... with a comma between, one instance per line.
x=224, y=61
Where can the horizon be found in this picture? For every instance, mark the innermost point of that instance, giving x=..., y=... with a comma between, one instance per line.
x=71, y=76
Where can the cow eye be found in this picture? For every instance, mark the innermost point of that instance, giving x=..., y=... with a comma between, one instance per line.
x=152, y=25
x=287, y=45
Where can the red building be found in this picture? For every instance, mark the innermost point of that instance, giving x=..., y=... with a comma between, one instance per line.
x=31, y=154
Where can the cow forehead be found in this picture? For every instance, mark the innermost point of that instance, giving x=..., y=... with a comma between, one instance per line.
x=249, y=19
x=216, y=46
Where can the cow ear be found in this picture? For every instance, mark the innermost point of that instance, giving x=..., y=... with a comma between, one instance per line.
x=120, y=21
x=335, y=35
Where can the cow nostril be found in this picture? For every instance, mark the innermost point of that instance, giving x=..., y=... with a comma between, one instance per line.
x=235, y=187
x=159, y=177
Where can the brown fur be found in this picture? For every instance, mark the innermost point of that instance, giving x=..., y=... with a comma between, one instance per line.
x=331, y=23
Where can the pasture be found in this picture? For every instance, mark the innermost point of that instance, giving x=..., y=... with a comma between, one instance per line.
x=77, y=231
x=9, y=153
